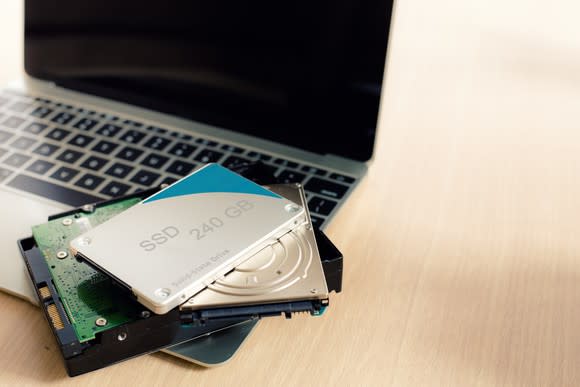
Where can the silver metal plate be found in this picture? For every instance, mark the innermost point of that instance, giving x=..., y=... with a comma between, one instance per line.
x=181, y=239
x=286, y=270
x=215, y=349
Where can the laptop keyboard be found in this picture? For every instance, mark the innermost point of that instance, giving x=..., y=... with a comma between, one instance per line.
x=76, y=156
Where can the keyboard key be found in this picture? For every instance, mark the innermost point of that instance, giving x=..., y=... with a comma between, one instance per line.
x=119, y=170
x=317, y=221
x=182, y=150
x=115, y=188
x=94, y=163
x=157, y=129
x=4, y=173
x=16, y=160
x=145, y=178
x=69, y=156
x=109, y=130
x=58, y=134
x=105, y=147
x=4, y=136
x=208, y=156
x=271, y=168
x=324, y=187
x=13, y=122
x=35, y=128
x=81, y=140
x=232, y=148
x=41, y=112
x=85, y=124
x=233, y=162
x=181, y=136
x=133, y=136
x=287, y=176
x=314, y=170
x=52, y=191
x=154, y=160
x=258, y=172
x=206, y=142
x=46, y=149
x=63, y=118
x=180, y=168
x=129, y=154
x=3, y=101
x=3, y=152
x=19, y=106
x=23, y=143
x=133, y=123
x=259, y=156
x=157, y=143
x=341, y=178
x=40, y=167
x=64, y=174
x=89, y=181
x=286, y=163
x=321, y=206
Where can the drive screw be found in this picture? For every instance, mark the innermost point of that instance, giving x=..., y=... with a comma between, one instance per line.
x=101, y=322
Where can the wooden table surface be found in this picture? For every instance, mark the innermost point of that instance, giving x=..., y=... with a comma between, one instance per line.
x=461, y=246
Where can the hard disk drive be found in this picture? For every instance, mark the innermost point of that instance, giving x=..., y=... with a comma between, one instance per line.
x=97, y=323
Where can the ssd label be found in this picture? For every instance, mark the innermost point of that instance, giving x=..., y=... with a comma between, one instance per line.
x=212, y=225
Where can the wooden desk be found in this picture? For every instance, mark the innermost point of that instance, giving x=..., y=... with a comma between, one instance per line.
x=462, y=246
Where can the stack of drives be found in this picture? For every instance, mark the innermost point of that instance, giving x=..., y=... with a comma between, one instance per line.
x=205, y=257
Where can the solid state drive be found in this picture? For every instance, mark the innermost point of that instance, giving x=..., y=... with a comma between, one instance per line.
x=181, y=239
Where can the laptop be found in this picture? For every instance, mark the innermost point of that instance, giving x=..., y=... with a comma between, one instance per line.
x=123, y=96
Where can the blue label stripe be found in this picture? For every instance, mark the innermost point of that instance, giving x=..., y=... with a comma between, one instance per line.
x=212, y=178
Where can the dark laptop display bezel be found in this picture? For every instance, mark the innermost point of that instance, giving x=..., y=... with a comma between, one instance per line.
x=308, y=75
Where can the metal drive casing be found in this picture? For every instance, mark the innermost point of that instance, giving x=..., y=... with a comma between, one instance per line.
x=179, y=240
x=288, y=269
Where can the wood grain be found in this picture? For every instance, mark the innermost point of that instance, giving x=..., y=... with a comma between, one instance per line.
x=462, y=242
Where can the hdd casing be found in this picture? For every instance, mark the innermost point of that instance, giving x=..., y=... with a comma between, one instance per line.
x=148, y=332
x=181, y=239
x=145, y=333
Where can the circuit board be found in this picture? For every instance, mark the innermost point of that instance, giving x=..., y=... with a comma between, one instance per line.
x=93, y=304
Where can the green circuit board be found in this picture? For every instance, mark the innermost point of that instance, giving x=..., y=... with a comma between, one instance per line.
x=92, y=303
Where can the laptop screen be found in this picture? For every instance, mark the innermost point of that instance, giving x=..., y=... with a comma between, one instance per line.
x=302, y=73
